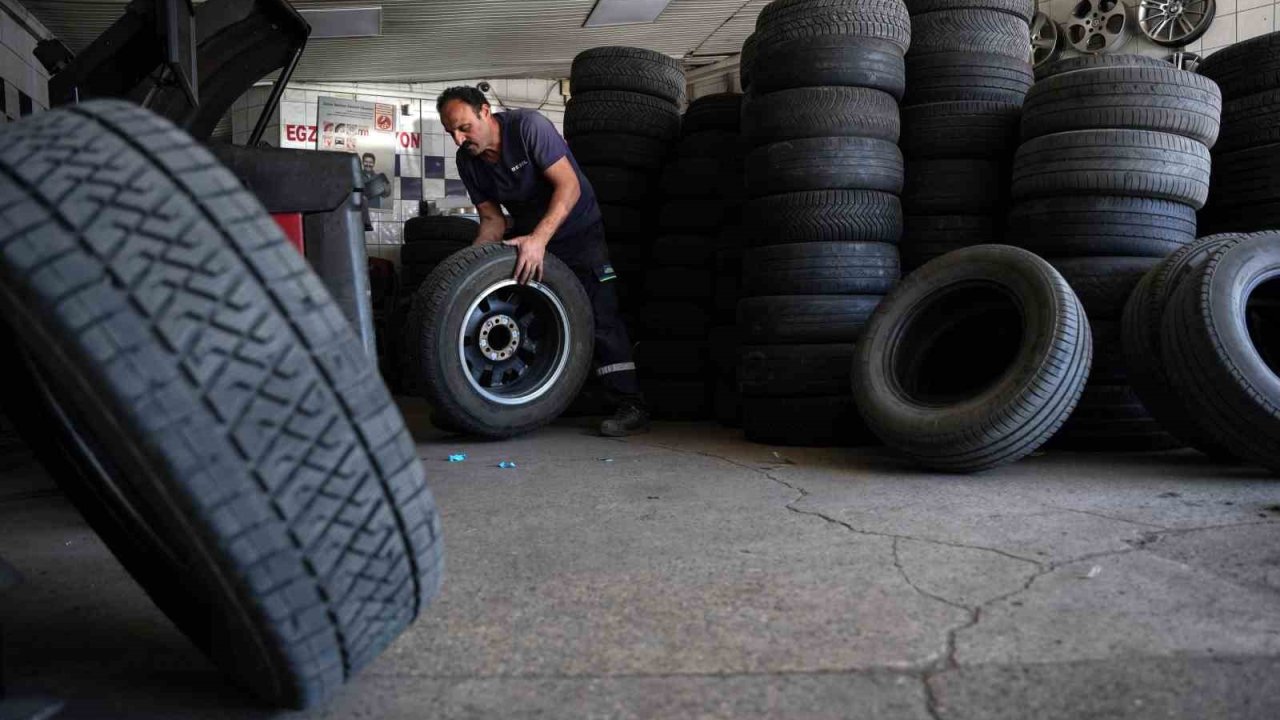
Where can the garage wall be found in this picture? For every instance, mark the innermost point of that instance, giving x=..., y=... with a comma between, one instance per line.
x=25, y=82
x=425, y=165
x=1236, y=20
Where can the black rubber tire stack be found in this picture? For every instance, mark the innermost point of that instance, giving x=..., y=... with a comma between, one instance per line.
x=428, y=240
x=702, y=194
x=1244, y=194
x=1113, y=165
x=622, y=123
x=967, y=76
x=823, y=218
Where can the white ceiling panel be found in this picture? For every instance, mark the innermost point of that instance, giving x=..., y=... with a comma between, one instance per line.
x=434, y=40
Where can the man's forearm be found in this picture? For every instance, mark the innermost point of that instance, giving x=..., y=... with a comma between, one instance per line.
x=558, y=209
x=491, y=229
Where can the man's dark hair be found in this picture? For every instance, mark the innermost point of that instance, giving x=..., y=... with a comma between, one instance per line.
x=466, y=94
x=371, y=156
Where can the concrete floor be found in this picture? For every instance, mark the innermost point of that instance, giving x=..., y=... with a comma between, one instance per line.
x=686, y=573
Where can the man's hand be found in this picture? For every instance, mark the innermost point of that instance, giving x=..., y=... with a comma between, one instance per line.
x=532, y=250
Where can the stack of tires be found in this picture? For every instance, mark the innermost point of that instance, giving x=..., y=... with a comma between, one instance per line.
x=1245, y=192
x=428, y=240
x=823, y=217
x=621, y=124
x=1203, y=351
x=702, y=190
x=1113, y=165
x=967, y=76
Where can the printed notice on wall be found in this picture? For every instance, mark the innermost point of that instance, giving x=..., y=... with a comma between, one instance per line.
x=365, y=128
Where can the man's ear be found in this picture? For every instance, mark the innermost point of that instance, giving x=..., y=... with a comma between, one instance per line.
x=485, y=111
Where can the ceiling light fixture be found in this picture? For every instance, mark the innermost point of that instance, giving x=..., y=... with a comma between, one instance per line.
x=625, y=12
x=344, y=22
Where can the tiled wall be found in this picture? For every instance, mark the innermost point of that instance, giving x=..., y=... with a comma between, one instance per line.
x=24, y=80
x=425, y=166
x=1235, y=20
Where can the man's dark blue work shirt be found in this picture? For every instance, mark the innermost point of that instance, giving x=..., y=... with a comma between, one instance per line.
x=530, y=145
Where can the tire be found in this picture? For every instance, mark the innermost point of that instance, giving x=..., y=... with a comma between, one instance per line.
x=619, y=149
x=679, y=283
x=615, y=111
x=1218, y=351
x=824, y=216
x=972, y=129
x=695, y=251
x=1142, y=344
x=1140, y=97
x=620, y=185
x=789, y=320
x=830, y=421
x=624, y=224
x=1022, y=9
x=678, y=400
x=724, y=351
x=447, y=305
x=832, y=60
x=172, y=340
x=874, y=13
x=720, y=112
x=940, y=375
x=926, y=237
x=674, y=321
x=1112, y=418
x=440, y=228
x=1103, y=284
x=795, y=370
x=967, y=77
x=1133, y=163
x=824, y=164
x=727, y=148
x=830, y=268
x=953, y=187
x=700, y=177
x=413, y=275
x=1108, y=366
x=626, y=68
x=1098, y=226
x=1087, y=62
x=672, y=359
x=1250, y=121
x=816, y=112
x=1254, y=218
x=982, y=31
x=727, y=403
x=1246, y=68
x=887, y=21
x=430, y=252
x=1246, y=179
x=691, y=216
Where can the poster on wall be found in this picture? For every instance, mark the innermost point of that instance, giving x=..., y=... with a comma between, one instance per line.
x=366, y=129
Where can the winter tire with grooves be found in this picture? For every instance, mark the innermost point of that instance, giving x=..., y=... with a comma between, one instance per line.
x=794, y=370
x=618, y=149
x=1103, y=284
x=971, y=129
x=953, y=186
x=1246, y=179
x=710, y=113
x=1132, y=163
x=805, y=421
x=202, y=399
x=816, y=112
x=1141, y=343
x=619, y=185
x=839, y=163
x=1250, y=121
x=967, y=77
x=973, y=361
x=826, y=268
x=1139, y=97
x=1220, y=347
x=1248, y=67
x=499, y=359
x=824, y=216
x=786, y=319
x=626, y=68
x=1097, y=225
x=1023, y=9
x=832, y=60
x=984, y=31
x=615, y=111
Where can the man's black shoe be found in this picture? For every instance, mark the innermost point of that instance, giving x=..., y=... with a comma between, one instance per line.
x=628, y=420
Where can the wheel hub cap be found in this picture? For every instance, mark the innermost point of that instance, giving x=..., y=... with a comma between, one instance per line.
x=499, y=337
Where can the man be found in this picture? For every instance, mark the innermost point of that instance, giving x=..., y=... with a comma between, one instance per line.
x=517, y=159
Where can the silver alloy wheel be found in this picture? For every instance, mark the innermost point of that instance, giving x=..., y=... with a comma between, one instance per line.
x=1175, y=23
x=1188, y=61
x=1046, y=40
x=1098, y=26
x=514, y=342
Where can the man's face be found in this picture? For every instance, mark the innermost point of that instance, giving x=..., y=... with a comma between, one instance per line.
x=367, y=163
x=470, y=130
